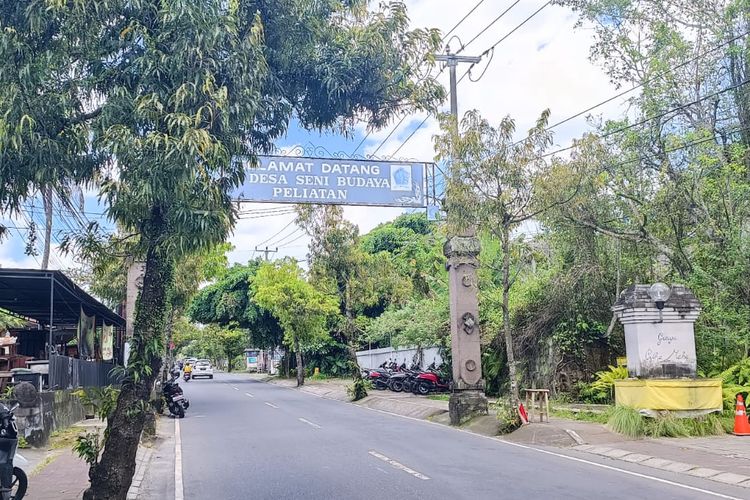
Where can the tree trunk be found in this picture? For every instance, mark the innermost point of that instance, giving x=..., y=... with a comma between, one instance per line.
x=47, y=201
x=112, y=475
x=300, y=366
x=514, y=397
x=288, y=361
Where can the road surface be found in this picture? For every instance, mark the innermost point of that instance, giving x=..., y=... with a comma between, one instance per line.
x=246, y=439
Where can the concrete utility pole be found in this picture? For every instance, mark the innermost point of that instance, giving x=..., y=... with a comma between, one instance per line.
x=462, y=251
x=266, y=251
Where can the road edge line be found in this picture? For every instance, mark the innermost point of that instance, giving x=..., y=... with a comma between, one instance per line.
x=178, y=486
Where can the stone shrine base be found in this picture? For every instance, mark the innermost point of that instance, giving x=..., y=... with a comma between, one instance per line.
x=677, y=395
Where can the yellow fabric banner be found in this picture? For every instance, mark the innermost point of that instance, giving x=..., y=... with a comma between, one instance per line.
x=669, y=394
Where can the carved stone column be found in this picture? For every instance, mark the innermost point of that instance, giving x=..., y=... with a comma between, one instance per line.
x=467, y=399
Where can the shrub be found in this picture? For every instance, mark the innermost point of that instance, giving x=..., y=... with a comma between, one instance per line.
x=627, y=421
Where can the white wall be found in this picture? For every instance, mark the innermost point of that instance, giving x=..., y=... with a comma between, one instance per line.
x=375, y=357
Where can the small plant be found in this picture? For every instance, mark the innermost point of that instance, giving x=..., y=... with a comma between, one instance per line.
x=22, y=443
x=602, y=389
x=358, y=389
x=508, y=418
x=88, y=446
x=627, y=421
x=102, y=399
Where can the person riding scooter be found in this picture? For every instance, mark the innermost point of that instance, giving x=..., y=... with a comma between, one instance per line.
x=187, y=371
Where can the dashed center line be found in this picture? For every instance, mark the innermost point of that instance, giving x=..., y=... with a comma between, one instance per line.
x=271, y=405
x=303, y=420
x=236, y=388
x=249, y=395
x=398, y=465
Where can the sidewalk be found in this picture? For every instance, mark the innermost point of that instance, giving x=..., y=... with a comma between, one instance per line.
x=58, y=474
x=401, y=403
x=723, y=458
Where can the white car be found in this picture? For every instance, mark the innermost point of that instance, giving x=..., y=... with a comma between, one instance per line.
x=203, y=368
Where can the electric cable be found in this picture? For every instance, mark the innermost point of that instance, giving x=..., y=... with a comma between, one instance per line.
x=644, y=83
x=276, y=234
x=488, y=26
x=444, y=37
x=653, y=117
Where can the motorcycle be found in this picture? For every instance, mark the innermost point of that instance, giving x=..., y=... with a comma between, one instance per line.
x=13, y=480
x=378, y=377
x=430, y=381
x=186, y=376
x=176, y=401
x=402, y=381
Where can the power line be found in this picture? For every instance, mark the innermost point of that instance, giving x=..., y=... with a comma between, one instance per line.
x=654, y=117
x=283, y=243
x=488, y=26
x=684, y=146
x=293, y=241
x=276, y=234
x=469, y=70
x=403, y=118
x=517, y=27
x=480, y=2
x=644, y=83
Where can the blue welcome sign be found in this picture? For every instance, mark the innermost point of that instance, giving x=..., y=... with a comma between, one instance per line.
x=283, y=179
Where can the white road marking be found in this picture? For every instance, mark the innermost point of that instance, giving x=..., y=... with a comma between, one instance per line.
x=398, y=465
x=249, y=395
x=309, y=423
x=578, y=439
x=271, y=405
x=178, y=489
x=560, y=455
x=236, y=388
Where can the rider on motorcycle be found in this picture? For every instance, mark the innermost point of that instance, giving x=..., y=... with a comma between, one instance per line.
x=188, y=369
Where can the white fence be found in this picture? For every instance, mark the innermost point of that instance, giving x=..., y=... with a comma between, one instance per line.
x=376, y=357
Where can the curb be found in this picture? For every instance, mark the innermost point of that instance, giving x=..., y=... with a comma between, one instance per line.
x=666, y=465
x=142, y=459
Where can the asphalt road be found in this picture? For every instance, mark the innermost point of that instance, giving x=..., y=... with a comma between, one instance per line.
x=245, y=439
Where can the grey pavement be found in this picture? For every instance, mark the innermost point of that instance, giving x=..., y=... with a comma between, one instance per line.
x=246, y=439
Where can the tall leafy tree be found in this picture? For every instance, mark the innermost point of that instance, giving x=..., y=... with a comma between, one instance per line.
x=230, y=302
x=301, y=309
x=157, y=99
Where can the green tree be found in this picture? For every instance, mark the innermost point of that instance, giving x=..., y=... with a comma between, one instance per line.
x=301, y=309
x=230, y=302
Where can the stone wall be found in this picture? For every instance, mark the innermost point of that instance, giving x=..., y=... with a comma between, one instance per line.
x=53, y=411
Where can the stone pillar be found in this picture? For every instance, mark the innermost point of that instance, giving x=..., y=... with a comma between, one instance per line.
x=467, y=398
x=660, y=343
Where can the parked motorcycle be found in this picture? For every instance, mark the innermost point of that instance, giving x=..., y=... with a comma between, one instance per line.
x=378, y=377
x=431, y=380
x=13, y=480
x=176, y=401
x=403, y=380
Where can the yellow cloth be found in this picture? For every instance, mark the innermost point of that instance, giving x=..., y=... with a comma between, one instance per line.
x=669, y=394
x=188, y=369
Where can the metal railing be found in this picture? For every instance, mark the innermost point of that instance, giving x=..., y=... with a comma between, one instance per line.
x=72, y=373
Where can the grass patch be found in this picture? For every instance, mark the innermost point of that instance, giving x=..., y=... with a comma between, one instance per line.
x=439, y=397
x=581, y=416
x=64, y=438
x=629, y=422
